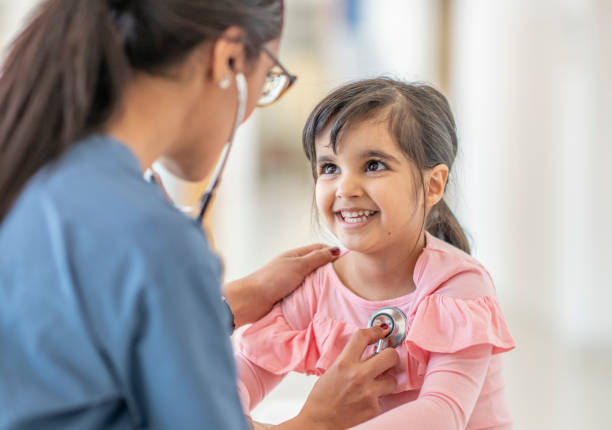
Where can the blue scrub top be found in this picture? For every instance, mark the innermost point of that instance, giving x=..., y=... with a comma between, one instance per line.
x=110, y=308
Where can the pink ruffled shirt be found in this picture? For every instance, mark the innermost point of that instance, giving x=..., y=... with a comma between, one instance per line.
x=450, y=370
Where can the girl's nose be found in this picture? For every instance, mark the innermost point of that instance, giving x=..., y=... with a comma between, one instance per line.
x=348, y=186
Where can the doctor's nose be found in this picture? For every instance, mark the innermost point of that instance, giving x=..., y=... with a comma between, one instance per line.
x=348, y=186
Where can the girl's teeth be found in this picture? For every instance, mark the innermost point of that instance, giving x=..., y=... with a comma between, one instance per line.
x=355, y=220
x=356, y=216
x=348, y=214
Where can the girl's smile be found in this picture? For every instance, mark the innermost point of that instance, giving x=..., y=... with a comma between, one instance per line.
x=354, y=217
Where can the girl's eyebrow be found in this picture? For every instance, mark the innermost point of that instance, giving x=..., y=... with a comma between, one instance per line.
x=324, y=159
x=378, y=154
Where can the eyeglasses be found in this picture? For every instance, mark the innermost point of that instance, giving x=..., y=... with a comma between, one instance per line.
x=277, y=82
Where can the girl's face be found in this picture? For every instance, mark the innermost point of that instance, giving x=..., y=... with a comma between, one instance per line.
x=368, y=193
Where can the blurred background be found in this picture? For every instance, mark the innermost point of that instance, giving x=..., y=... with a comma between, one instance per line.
x=529, y=82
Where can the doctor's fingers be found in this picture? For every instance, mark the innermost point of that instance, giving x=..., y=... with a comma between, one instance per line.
x=381, y=362
x=353, y=350
x=317, y=258
x=384, y=385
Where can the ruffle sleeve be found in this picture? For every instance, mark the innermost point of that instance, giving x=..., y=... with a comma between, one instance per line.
x=273, y=344
x=443, y=324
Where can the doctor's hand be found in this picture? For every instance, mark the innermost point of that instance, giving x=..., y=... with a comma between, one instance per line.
x=347, y=393
x=253, y=296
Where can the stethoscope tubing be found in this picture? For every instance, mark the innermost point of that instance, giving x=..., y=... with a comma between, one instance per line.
x=204, y=201
x=241, y=86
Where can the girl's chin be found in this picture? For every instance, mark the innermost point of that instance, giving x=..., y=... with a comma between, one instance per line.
x=363, y=247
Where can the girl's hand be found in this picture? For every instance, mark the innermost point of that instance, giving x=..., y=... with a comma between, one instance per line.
x=347, y=394
x=253, y=296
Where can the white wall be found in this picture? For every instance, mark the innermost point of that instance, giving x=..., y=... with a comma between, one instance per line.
x=532, y=97
x=12, y=13
x=530, y=84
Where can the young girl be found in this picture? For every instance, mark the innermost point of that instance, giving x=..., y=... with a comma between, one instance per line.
x=381, y=152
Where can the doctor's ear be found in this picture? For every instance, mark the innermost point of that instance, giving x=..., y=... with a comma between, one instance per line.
x=435, y=184
x=227, y=56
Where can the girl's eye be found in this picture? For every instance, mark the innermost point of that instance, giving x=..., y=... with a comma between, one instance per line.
x=328, y=169
x=375, y=165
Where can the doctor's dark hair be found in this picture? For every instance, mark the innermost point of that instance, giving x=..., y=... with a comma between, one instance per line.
x=66, y=71
x=419, y=119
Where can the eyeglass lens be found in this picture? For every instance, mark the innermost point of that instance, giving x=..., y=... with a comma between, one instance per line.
x=276, y=82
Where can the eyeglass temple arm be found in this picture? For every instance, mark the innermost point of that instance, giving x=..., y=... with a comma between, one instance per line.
x=278, y=63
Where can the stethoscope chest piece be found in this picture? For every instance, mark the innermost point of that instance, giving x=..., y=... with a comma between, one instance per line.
x=396, y=320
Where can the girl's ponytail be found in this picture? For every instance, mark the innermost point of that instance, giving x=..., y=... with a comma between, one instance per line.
x=62, y=78
x=442, y=224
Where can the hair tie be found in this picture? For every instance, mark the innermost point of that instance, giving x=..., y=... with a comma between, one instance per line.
x=123, y=17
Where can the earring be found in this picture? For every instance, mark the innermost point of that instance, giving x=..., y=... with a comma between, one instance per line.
x=224, y=83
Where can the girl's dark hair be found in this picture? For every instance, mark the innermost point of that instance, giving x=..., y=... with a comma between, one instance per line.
x=66, y=72
x=419, y=119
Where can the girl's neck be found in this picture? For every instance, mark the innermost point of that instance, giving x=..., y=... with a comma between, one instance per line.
x=382, y=275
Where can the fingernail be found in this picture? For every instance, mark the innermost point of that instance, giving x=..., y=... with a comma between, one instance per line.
x=384, y=326
x=335, y=251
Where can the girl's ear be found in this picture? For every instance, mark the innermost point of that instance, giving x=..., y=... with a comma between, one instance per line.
x=435, y=180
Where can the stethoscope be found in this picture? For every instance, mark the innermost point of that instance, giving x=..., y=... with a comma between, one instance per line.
x=204, y=201
x=395, y=319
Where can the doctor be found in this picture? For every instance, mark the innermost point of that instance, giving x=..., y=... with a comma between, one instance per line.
x=111, y=313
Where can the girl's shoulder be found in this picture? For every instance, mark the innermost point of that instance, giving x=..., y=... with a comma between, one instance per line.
x=295, y=335
x=454, y=290
x=301, y=305
x=446, y=270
